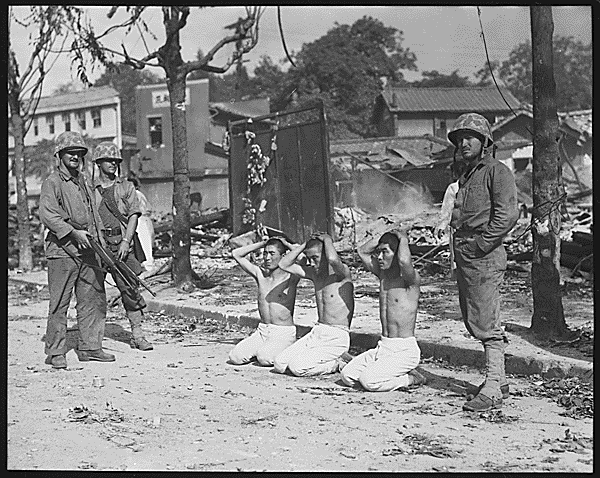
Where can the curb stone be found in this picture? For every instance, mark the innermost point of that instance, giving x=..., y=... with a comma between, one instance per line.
x=516, y=365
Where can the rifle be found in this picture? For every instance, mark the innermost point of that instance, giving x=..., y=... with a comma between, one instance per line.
x=117, y=267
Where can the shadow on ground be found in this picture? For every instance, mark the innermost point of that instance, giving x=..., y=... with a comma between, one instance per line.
x=575, y=349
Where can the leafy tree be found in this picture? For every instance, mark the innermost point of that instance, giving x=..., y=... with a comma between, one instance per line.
x=124, y=79
x=432, y=79
x=24, y=92
x=343, y=69
x=88, y=47
x=572, y=72
x=268, y=77
x=66, y=88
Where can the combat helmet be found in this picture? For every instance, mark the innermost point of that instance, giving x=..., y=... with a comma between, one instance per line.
x=472, y=122
x=69, y=140
x=106, y=150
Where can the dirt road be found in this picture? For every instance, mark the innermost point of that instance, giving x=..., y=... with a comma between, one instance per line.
x=181, y=407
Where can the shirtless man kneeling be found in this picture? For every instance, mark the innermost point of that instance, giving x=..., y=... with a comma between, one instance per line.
x=319, y=351
x=390, y=365
x=276, y=298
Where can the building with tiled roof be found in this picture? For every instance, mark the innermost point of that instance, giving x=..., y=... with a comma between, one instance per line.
x=416, y=111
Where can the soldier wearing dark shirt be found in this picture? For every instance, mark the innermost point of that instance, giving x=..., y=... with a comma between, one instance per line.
x=485, y=210
x=68, y=210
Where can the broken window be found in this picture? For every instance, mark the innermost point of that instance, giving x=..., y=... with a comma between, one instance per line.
x=66, y=117
x=50, y=123
x=81, y=120
x=96, y=117
x=155, y=126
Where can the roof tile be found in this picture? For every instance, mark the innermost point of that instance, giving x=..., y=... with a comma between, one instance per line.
x=459, y=100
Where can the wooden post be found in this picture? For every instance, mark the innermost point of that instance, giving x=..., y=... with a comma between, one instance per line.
x=548, y=315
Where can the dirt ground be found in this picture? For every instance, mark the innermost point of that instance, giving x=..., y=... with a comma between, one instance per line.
x=182, y=407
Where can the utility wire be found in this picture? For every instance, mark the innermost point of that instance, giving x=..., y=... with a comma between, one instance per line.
x=282, y=38
x=492, y=71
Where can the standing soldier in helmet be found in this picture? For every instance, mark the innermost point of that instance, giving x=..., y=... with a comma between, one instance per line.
x=485, y=210
x=68, y=210
x=119, y=209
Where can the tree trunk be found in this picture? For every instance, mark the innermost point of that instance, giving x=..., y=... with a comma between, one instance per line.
x=23, y=228
x=180, y=240
x=548, y=315
x=182, y=268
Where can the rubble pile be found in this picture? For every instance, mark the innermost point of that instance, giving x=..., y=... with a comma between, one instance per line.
x=209, y=233
x=576, y=240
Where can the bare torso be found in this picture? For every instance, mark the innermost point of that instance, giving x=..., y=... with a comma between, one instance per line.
x=335, y=300
x=276, y=297
x=398, y=307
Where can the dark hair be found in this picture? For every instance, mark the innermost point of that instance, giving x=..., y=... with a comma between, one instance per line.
x=277, y=243
x=391, y=240
x=313, y=242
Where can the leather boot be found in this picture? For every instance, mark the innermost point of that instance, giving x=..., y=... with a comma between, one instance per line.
x=138, y=341
x=98, y=355
x=490, y=394
x=57, y=361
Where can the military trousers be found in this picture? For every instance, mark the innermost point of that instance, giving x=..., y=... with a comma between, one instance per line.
x=64, y=275
x=479, y=277
x=130, y=296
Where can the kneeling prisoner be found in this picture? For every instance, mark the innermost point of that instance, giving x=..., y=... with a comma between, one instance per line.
x=319, y=351
x=391, y=365
x=276, y=297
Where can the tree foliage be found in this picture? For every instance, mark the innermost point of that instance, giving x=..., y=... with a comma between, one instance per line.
x=343, y=69
x=435, y=79
x=572, y=72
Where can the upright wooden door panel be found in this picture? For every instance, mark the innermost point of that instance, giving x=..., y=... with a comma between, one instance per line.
x=296, y=191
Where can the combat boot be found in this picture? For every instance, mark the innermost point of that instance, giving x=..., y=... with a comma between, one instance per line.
x=138, y=341
x=98, y=355
x=57, y=361
x=490, y=394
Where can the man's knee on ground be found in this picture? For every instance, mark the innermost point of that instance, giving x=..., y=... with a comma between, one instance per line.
x=301, y=366
x=371, y=382
x=237, y=358
x=265, y=359
x=350, y=381
x=279, y=366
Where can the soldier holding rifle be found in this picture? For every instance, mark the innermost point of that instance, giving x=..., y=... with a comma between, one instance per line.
x=66, y=199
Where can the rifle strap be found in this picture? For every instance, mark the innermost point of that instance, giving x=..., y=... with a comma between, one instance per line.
x=109, y=199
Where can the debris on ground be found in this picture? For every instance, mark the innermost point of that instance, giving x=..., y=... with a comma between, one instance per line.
x=570, y=443
x=492, y=416
x=571, y=393
x=254, y=421
x=421, y=444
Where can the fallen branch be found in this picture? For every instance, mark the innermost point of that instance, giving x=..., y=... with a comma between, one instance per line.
x=431, y=251
x=202, y=219
x=580, y=263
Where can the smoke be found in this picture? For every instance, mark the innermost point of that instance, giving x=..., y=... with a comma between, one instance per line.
x=381, y=195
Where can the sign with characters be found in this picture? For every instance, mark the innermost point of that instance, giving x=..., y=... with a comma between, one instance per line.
x=160, y=98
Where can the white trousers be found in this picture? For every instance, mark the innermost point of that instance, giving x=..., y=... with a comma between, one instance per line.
x=265, y=343
x=316, y=353
x=145, y=230
x=385, y=367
